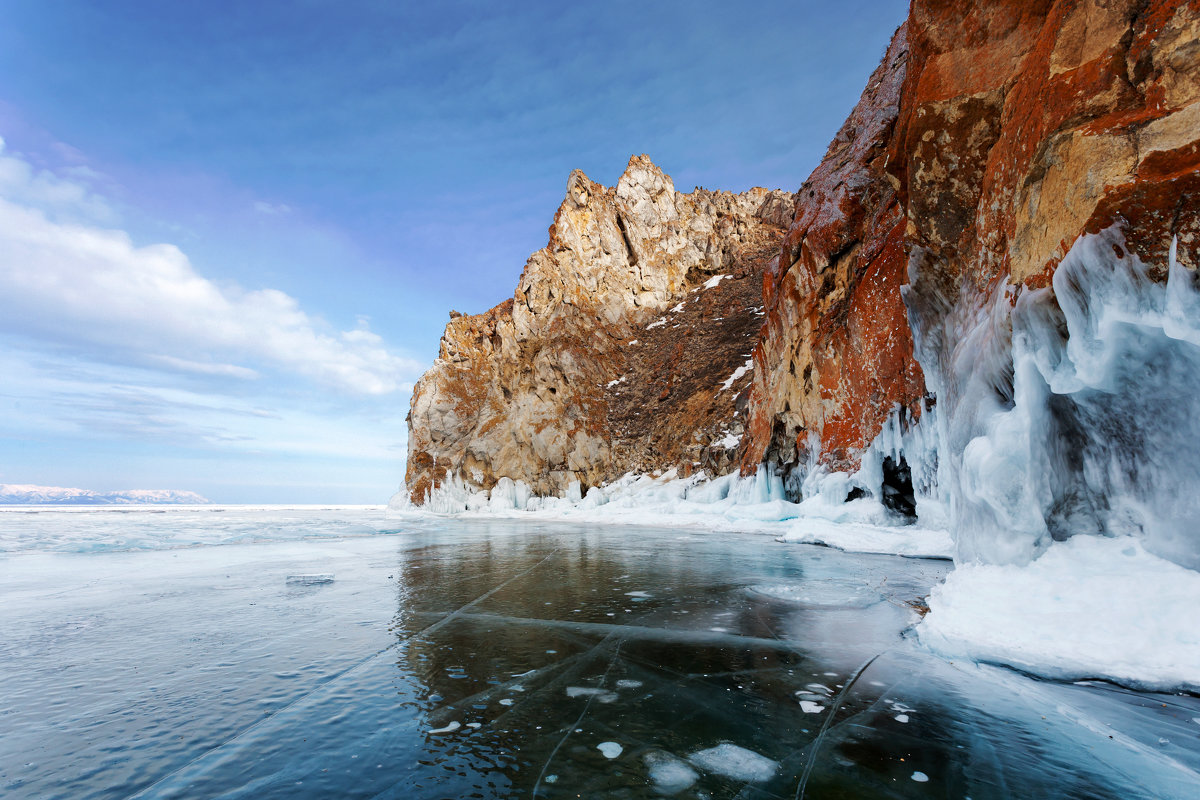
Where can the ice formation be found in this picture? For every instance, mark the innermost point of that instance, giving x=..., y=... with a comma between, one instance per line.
x=1089, y=607
x=757, y=503
x=1072, y=410
x=1068, y=423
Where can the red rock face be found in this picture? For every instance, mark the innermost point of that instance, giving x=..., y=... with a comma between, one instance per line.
x=836, y=352
x=992, y=135
x=1065, y=116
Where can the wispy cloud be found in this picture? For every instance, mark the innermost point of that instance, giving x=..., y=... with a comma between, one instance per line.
x=24, y=184
x=272, y=209
x=59, y=396
x=67, y=277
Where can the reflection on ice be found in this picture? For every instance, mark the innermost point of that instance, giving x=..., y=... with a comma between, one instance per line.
x=822, y=594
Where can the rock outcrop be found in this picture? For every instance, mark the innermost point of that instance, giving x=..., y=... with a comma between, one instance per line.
x=623, y=349
x=836, y=356
x=1023, y=127
x=991, y=137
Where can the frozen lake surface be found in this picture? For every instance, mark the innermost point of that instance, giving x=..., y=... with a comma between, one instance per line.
x=199, y=653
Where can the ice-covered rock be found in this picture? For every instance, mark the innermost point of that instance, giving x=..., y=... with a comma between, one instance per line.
x=1075, y=409
x=730, y=502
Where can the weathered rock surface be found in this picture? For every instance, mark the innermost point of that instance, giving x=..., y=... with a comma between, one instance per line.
x=992, y=135
x=836, y=353
x=615, y=351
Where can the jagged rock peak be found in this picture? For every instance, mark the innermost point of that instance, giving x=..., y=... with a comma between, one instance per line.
x=547, y=388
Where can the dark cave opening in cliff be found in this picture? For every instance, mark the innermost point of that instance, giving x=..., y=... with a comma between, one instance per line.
x=897, y=492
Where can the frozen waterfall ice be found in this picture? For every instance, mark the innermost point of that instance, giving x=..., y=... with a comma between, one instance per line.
x=1073, y=409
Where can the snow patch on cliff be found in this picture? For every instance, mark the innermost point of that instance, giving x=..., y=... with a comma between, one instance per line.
x=737, y=373
x=728, y=441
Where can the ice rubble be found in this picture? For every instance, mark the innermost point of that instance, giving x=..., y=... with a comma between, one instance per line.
x=735, y=762
x=610, y=750
x=1090, y=607
x=669, y=774
x=757, y=503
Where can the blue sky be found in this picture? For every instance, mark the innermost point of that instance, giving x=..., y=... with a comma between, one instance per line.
x=230, y=232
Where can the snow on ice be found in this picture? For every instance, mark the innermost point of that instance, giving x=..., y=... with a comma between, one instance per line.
x=1088, y=607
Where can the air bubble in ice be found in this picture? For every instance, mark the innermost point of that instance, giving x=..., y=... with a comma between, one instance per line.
x=735, y=762
x=610, y=749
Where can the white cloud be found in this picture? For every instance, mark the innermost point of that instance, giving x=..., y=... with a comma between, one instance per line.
x=66, y=279
x=205, y=368
x=272, y=209
x=21, y=183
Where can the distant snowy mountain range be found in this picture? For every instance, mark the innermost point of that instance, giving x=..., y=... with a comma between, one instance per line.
x=27, y=494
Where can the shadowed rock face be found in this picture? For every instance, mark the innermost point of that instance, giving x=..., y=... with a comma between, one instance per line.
x=992, y=136
x=612, y=353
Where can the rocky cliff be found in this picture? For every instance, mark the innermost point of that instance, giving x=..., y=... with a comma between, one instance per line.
x=624, y=348
x=921, y=266
x=1047, y=154
x=836, y=355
